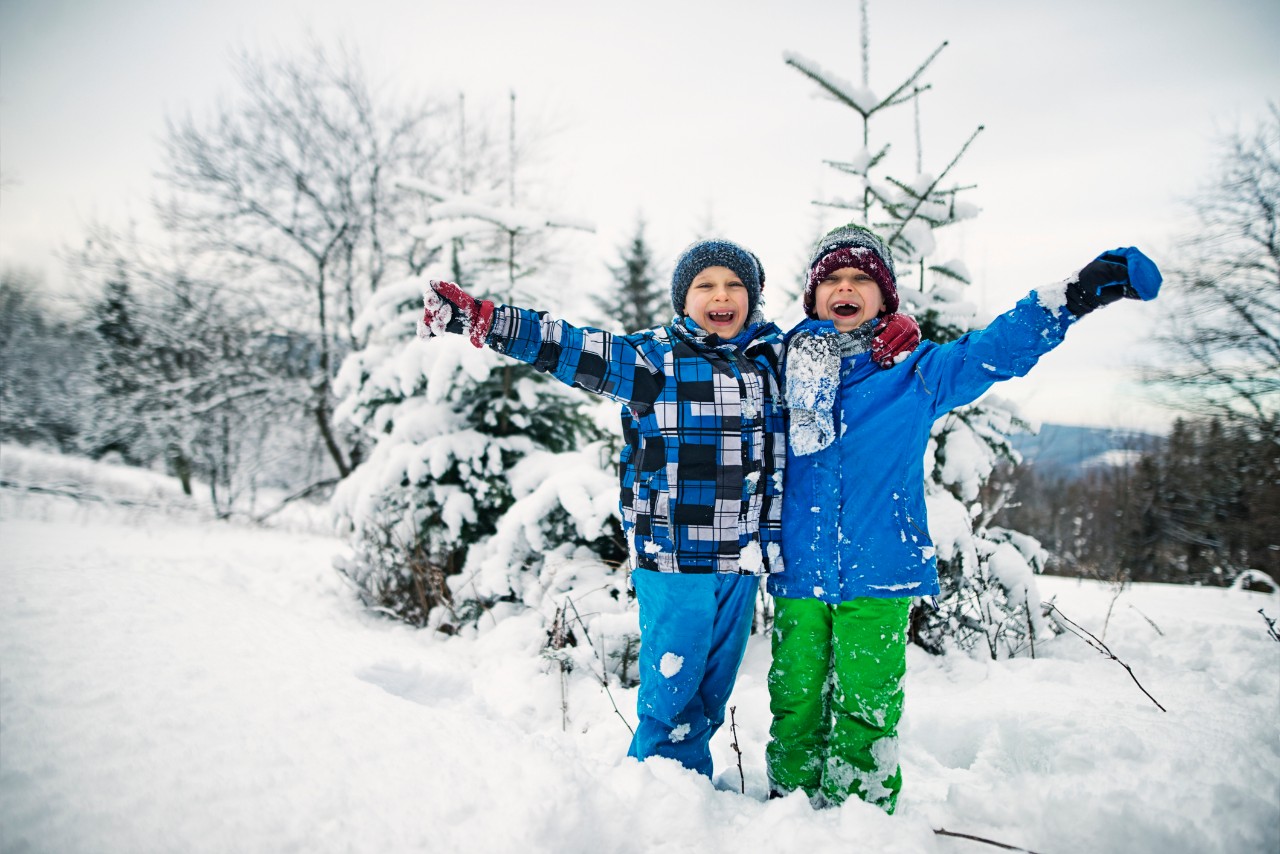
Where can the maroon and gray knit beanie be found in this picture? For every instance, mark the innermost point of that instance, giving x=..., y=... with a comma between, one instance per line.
x=852, y=246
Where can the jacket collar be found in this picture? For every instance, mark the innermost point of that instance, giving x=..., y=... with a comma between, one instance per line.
x=687, y=330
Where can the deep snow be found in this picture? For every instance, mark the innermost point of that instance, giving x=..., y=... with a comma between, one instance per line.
x=173, y=684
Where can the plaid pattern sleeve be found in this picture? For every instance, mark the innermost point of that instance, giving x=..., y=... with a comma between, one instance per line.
x=616, y=366
x=701, y=470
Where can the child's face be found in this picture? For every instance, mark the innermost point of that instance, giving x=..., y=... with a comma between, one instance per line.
x=849, y=297
x=718, y=301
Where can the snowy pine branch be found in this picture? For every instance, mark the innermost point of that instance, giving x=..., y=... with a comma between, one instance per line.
x=921, y=197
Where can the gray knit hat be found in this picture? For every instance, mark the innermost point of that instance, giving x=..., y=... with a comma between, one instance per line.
x=717, y=253
x=852, y=246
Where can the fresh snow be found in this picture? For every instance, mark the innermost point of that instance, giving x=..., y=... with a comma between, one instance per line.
x=172, y=684
x=751, y=557
x=1054, y=297
x=671, y=664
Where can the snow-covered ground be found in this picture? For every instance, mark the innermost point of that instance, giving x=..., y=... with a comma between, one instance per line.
x=171, y=684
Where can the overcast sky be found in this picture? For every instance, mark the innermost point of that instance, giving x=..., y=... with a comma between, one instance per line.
x=1100, y=120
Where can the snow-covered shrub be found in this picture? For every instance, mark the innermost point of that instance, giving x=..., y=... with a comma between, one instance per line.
x=989, y=599
x=486, y=478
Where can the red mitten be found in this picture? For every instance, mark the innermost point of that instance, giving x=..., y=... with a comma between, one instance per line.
x=898, y=335
x=448, y=308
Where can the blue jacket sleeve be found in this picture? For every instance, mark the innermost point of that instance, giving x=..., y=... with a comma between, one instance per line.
x=625, y=368
x=962, y=370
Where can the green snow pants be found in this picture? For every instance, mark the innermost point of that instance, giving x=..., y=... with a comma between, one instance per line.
x=835, y=691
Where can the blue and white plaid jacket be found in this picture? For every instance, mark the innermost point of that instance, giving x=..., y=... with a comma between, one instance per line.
x=701, y=469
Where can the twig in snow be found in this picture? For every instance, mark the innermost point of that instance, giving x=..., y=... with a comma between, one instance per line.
x=945, y=832
x=604, y=667
x=1271, y=626
x=1149, y=620
x=1089, y=638
x=1118, y=585
x=305, y=492
x=558, y=638
x=1031, y=626
x=733, y=729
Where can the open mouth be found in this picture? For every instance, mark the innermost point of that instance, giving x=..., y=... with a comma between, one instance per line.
x=845, y=309
x=721, y=316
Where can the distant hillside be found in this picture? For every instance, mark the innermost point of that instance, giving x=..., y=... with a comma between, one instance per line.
x=1072, y=450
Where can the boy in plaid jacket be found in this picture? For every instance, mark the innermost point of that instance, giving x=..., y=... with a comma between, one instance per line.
x=701, y=469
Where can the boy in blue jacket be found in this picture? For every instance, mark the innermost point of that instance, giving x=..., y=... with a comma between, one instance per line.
x=701, y=468
x=855, y=535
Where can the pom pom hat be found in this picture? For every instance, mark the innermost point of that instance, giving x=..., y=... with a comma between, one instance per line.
x=852, y=246
x=717, y=253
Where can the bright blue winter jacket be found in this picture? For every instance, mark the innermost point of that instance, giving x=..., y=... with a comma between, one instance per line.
x=853, y=512
x=704, y=429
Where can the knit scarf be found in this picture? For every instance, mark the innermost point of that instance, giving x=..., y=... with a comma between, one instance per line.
x=739, y=341
x=813, y=380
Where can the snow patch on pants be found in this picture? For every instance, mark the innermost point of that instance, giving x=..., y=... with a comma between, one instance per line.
x=871, y=786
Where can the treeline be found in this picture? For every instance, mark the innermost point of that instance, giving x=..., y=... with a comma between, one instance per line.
x=1200, y=507
x=208, y=344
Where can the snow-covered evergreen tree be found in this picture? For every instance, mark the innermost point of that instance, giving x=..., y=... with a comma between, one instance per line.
x=989, y=595
x=46, y=394
x=638, y=298
x=118, y=374
x=189, y=374
x=487, y=482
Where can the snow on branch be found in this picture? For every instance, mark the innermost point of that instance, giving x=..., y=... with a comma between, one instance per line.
x=861, y=99
x=923, y=193
x=449, y=205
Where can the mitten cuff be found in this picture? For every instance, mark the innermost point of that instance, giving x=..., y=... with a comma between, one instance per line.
x=502, y=327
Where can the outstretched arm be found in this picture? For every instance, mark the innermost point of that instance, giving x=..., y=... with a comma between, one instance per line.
x=614, y=366
x=1012, y=343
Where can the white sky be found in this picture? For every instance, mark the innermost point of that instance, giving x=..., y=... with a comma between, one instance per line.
x=1100, y=118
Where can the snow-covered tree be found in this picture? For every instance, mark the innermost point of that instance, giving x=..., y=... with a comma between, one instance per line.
x=192, y=373
x=1223, y=318
x=119, y=374
x=45, y=393
x=638, y=297
x=487, y=482
x=989, y=594
x=287, y=192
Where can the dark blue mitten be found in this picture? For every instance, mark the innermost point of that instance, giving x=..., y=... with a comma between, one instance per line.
x=1121, y=273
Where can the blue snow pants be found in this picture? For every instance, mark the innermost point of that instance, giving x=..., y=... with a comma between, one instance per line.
x=693, y=634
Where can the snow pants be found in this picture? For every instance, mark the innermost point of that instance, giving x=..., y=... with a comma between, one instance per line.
x=693, y=634
x=835, y=692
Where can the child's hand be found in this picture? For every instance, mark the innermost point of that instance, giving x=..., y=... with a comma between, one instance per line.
x=1123, y=273
x=448, y=308
x=898, y=335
